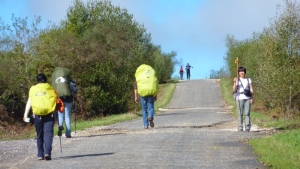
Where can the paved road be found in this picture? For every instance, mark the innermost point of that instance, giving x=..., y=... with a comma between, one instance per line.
x=192, y=132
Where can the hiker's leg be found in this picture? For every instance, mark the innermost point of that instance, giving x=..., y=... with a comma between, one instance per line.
x=61, y=117
x=187, y=74
x=68, y=109
x=247, y=114
x=240, y=107
x=39, y=135
x=144, y=110
x=150, y=103
x=48, y=133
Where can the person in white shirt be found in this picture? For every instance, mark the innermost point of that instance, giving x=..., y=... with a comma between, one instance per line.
x=242, y=86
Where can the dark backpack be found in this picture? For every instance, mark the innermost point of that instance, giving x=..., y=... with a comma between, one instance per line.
x=61, y=81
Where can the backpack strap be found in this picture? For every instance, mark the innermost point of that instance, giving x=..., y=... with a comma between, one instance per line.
x=242, y=83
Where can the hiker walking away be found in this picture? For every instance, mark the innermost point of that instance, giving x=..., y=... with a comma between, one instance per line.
x=145, y=91
x=42, y=100
x=244, y=98
x=188, y=72
x=181, y=73
x=67, y=91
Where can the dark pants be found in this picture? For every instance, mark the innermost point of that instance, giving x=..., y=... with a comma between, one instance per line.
x=44, y=133
x=188, y=74
x=181, y=75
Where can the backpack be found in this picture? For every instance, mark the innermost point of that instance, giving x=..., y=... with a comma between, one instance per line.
x=43, y=99
x=146, y=80
x=61, y=81
x=181, y=70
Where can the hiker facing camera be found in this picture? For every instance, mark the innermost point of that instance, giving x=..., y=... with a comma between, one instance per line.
x=242, y=86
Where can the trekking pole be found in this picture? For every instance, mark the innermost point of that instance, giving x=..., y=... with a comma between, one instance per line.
x=59, y=133
x=75, y=109
x=238, y=95
x=60, y=144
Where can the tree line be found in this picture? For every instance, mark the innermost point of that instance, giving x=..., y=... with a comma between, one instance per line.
x=272, y=59
x=100, y=43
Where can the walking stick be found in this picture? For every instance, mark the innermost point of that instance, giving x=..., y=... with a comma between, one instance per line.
x=75, y=109
x=237, y=76
x=60, y=128
x=59, y=132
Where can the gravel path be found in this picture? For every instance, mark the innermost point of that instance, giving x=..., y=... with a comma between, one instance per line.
x=196, y=130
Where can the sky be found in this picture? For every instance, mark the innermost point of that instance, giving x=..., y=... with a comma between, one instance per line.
x=195, y=29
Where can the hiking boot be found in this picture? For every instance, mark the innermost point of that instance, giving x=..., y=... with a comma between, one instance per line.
x=247, y=130
x=145, y=127
x=68, y=136
x=60, y=129
x=151, y=122
x=47, y=157
x=40, y=158
x=240, y=129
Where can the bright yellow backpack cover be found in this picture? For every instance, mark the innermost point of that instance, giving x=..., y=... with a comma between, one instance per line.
x=146, y=79
x=42, y=98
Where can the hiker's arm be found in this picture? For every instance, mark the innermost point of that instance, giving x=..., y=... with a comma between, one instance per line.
x=234, y=87
x=136, y=96
x=27, y=109
x=74, y=95
x=155, y=98
x=74, y=89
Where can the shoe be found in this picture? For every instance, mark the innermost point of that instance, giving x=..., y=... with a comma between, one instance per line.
x=68, y=136
x=240, y=129
x=247, y=130
x=145, y=127
x=60, y=129
x=151, y=122
x=40, y=158
x=47, y=157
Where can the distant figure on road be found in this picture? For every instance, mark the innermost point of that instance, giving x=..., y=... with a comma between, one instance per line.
x=145, y=89
x=188, y=72
x=181, y=73
x=242, y=87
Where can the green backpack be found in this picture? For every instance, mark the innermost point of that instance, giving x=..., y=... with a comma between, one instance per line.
x=61, y=81
x=146, y=81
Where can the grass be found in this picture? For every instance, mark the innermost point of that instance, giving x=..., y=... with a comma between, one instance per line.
x=278, y=150
x=164, y=96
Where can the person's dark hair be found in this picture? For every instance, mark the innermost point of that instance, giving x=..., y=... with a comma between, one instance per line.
x=41, y=78
x=242, y=69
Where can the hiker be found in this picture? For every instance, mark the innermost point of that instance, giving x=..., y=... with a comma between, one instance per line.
x=242, y=86
x=42, y=100
x=145, y=91
x=181, y=73
x=188, y=72
x=67, y=91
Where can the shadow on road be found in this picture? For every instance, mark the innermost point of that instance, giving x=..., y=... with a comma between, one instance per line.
x=87, y=155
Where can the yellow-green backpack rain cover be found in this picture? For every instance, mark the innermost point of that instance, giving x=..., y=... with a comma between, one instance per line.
x=146, y=81
x=42, y=98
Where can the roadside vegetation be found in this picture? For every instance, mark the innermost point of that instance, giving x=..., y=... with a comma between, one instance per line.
x=272, y=59
x=100, y=43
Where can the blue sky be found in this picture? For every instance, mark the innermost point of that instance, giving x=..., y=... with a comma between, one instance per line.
x=195, y=29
